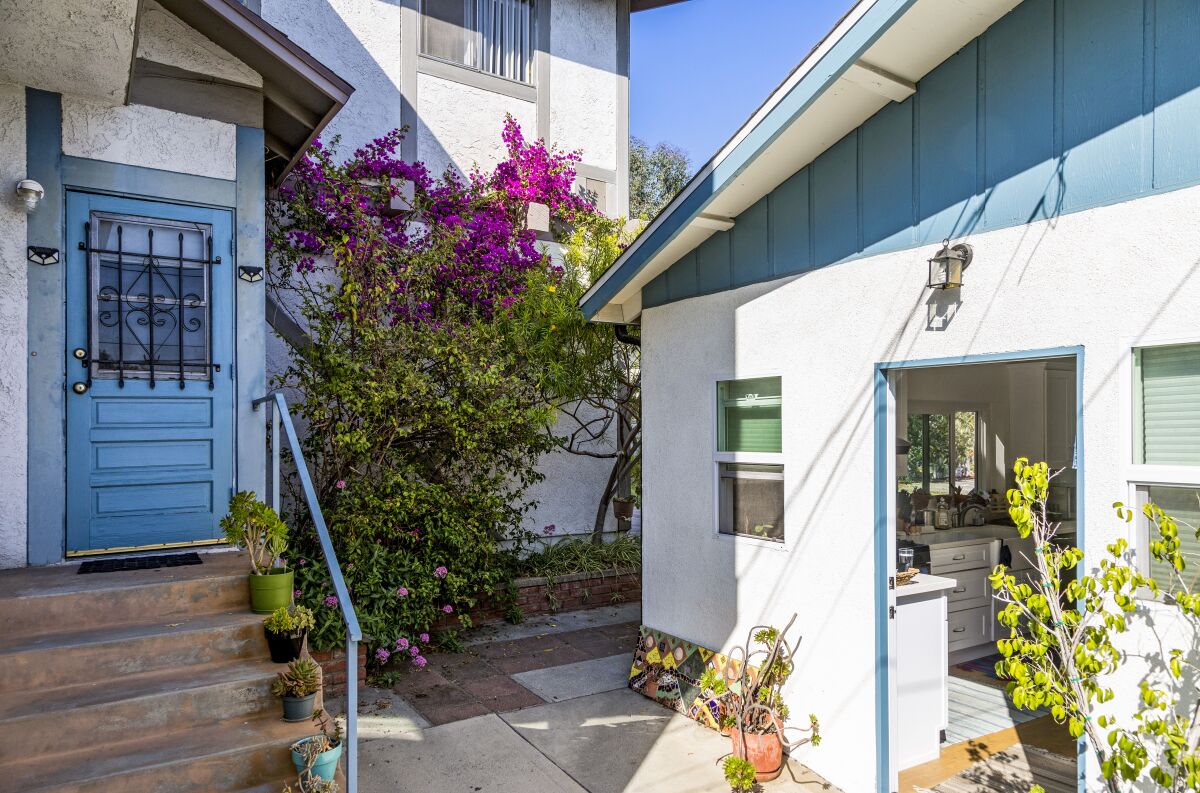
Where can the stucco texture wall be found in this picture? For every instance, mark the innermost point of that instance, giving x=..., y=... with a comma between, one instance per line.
x=164, y=38
x=459, y=125
x=583, y=78
x=149, y=137
x=13, y=330
x=360, y=41
x=1106, y=278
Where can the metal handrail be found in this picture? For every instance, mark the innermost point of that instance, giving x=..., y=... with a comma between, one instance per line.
x=281, y=414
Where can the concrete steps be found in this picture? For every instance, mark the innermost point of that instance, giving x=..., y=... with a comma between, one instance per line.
x=149, y=681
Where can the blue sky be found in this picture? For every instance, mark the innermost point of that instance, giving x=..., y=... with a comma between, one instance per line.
x=699, y=68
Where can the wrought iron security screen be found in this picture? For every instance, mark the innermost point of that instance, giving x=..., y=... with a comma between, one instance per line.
x=149, y=300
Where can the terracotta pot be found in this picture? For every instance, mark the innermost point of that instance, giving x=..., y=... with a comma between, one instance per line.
x=765, y=752
x=622, y=510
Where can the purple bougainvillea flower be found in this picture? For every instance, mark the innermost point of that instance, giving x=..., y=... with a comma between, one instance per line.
x=448, y=608
x=424, y=637
x=341, y=484
x=402, y=643
x=331, y=601
x=402, y=592
x=419, y=662
x=441, y=572
x=382, y=655
x=549, y=529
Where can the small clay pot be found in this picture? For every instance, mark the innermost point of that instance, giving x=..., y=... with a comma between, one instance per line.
x=623, y=510
x=765, y=752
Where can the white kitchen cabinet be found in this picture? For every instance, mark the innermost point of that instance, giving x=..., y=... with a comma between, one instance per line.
x=922, y=692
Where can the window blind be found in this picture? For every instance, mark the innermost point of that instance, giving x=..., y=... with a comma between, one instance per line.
x=1167, y=395
x=750, y=415
x=494, y=36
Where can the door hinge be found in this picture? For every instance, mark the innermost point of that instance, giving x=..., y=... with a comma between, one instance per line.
x=891, y=582
x=891, y=612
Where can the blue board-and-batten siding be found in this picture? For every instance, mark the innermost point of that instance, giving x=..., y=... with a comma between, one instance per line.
x=1061, y=106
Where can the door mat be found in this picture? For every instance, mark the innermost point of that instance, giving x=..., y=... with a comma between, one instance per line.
x=140, y=563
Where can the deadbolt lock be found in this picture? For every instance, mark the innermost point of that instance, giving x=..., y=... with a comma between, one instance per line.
x=80, y=388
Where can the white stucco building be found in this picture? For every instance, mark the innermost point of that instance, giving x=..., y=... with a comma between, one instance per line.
x=449, y=71
x=791, y=338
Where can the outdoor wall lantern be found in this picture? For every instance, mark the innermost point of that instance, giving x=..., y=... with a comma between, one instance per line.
x=250, y=275
x=947, y=265
x=30, y=193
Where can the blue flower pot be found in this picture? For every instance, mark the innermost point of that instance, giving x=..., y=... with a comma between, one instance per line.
x=326, y=765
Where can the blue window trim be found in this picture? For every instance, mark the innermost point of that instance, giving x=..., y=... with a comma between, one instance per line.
x=883, y=525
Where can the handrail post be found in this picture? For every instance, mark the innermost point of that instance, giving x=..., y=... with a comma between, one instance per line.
x=351, y=715
x=275, y=457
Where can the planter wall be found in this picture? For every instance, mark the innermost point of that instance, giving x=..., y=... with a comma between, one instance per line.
x=333, y=669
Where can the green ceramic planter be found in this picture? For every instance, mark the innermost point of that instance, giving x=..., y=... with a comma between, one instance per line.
x=271, y=591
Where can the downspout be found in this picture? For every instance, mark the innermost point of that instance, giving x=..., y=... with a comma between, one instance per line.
x=624, y=336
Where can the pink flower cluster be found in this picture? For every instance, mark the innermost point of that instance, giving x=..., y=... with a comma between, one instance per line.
x=413, y=650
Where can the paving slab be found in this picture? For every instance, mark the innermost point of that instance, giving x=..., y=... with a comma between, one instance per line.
x=581, y=679
x=555, y=623
x=621, y=742
x=481, y=755
x=385, y=714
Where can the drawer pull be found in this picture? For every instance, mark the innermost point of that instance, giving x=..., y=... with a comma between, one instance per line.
x=959, y=558
x=959, y=630
x=960, y=590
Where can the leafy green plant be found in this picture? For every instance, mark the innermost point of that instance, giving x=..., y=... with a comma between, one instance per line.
x=1061, y=651
x=739, y=774
x=583, y=556
x=292, y=622
x=301, y=678
x=253, y=525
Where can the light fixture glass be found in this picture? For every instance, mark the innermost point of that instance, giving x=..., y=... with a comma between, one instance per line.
x=947, y=265
x=250, y=275
x=30, y=193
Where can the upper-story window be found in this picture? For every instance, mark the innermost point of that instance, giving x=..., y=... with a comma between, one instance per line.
x=493, y=36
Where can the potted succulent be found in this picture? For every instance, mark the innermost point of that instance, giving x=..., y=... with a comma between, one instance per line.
x=285, y=630
x=754, y=713
x=623, y=507
x=297, y=686
x=317, y=755
x=256, y=527
x=739, y=774
x=312, y=785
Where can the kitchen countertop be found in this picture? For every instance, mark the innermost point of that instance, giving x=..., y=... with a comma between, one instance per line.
x=923, y=584
x=974, y=535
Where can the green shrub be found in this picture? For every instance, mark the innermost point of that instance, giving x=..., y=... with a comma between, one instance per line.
x=253, y=525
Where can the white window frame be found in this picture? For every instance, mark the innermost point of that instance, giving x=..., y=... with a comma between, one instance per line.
x=1139, y=477
x=984, y=476
x=750, y=458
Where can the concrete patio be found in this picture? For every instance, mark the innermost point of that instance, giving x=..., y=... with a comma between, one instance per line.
x=544, y=726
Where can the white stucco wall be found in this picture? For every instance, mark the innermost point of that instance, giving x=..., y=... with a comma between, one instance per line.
x=360, y=41
x=14, y=335
x=460, y=125
x=149, y=137
x=164, y=38
x=1106, y=279
x=583, y=79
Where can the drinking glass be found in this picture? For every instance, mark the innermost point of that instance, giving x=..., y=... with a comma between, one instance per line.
x=906, y=559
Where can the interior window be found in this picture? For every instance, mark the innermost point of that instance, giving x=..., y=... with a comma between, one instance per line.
x=493, y=36
x=943, y=456
x=750, y=492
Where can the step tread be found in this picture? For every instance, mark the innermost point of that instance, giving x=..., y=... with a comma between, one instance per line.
x=20, y=704
x=58, y=580
x=112, y=761
x=117, y=634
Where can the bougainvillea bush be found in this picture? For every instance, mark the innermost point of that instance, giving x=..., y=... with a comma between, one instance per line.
x=426, y=413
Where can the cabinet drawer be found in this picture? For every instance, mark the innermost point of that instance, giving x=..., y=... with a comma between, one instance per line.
x=969, y=628
x=965, y=557
x=973, y=590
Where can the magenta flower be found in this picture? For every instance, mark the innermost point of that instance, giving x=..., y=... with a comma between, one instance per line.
x=441, y=572
x=414, y=651
x=448, y=608
x=402, y=643
x=341, y=484
x=331, y=601
x=419, y=662
x=402, y=592
x=424, y=637
x=296, y=593
x=549, y=530
x=381, y=655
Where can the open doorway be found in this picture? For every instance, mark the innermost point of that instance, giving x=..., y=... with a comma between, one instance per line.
x=957, y=429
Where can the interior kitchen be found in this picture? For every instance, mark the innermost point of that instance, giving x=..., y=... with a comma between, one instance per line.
x=960, y=429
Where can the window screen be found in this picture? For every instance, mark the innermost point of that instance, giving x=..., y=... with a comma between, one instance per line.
x=749, y=415
x=1182, y=504
x=1167, y=405
x=751, y=500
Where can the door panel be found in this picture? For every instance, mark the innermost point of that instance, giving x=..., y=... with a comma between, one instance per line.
x=150, y=420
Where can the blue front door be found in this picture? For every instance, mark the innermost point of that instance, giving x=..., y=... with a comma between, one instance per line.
x=149, y=307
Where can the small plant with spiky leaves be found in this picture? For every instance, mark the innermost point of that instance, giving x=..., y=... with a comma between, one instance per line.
x=301, y=678
x=739, y=774
x=253, y=525
x=291, y=622
x=329, y=737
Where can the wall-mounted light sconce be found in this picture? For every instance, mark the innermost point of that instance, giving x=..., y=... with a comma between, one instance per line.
x=30, y=193
x=40, y=255
x=947, y=265
x=250, y=275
